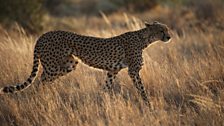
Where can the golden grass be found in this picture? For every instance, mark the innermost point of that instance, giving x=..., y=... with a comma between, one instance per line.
x=184, y=79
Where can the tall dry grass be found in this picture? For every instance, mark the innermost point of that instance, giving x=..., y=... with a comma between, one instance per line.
x=184, y=79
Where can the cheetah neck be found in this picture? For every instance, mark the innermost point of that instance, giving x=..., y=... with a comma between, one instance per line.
x=146, y=37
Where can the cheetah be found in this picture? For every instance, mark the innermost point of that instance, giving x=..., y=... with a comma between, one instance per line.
x=57, y=52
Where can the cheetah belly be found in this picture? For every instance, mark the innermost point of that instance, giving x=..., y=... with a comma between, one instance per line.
x=104, y=63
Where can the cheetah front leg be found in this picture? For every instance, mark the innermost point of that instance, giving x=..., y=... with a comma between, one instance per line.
x=135, y=62
x=110, y=81
x=134, y=75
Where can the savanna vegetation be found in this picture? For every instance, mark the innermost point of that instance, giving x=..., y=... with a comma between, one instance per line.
x=184, y=78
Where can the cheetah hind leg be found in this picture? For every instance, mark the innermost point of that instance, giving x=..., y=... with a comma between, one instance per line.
x=67, y=65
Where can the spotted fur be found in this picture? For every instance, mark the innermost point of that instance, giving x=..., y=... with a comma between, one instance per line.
x=58, y=51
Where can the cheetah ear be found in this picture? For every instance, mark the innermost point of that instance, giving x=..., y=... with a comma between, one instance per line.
x=147, y=24
x=155, y=22
x=150, y=24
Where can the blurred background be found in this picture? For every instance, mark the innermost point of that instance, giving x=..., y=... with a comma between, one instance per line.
x=36, y=16
x=184, y=78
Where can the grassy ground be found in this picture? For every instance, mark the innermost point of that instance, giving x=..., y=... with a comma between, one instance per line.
x=184, y=79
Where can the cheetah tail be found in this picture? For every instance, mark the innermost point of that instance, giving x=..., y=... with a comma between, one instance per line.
x=27, y=83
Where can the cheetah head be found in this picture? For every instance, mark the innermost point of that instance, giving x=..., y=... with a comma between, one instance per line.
x=158, y=31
